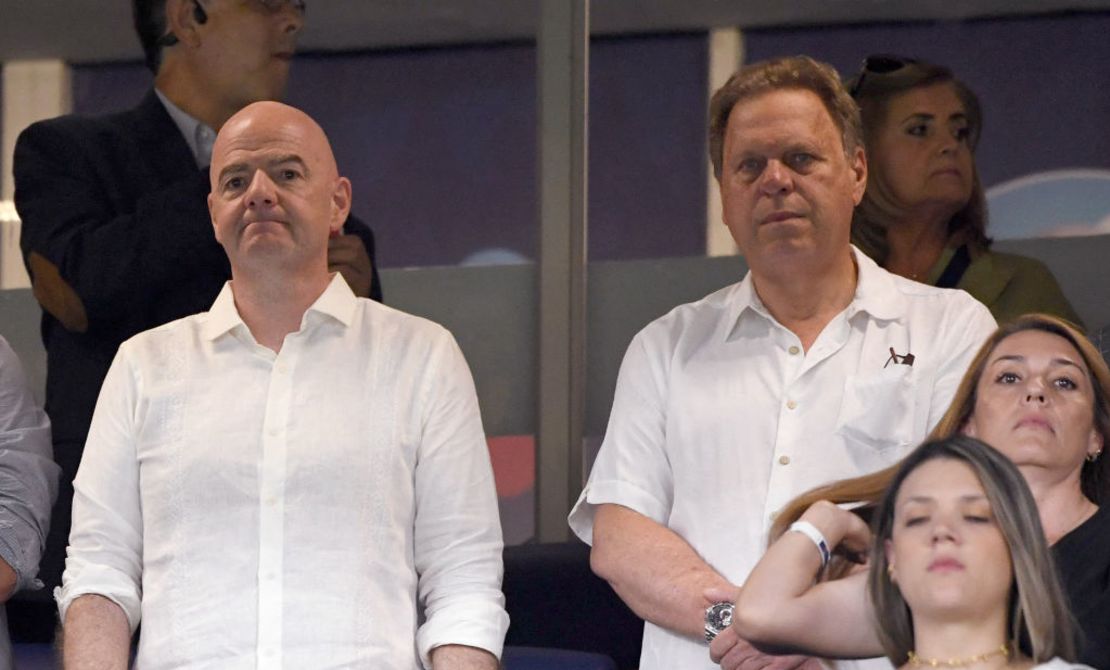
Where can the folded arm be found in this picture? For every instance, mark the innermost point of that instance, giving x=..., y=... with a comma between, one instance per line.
x=654, y=571
x=783, y=609
x=88, y=243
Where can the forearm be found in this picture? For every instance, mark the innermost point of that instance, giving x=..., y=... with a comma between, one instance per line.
x=655, y=572
x=96, y=635
x=461, y=657
x=782, y=608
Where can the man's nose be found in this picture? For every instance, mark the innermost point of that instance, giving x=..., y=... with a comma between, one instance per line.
x=776, y=178
x=292, y=17
x=261, y=192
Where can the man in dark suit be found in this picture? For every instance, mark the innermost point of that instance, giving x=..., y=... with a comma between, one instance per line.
x=116, y=233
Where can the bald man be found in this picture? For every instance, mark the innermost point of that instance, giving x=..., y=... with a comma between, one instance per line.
x=296, y=478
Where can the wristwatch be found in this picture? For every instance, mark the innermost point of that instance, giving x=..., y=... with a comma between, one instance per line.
x=718, y=617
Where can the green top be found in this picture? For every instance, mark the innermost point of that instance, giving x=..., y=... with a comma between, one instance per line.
x=1009, y=285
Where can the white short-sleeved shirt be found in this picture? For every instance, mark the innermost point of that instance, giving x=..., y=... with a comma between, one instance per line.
x=331, y=505
x=720, y=418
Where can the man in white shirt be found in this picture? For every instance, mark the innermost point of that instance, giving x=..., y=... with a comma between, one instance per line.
x=297, y=478
x=818, y=365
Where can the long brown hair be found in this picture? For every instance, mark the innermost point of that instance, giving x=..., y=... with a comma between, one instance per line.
x=1038, y=612
x=1094, y=477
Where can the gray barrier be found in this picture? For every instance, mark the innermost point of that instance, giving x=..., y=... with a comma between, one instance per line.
x=492, y=312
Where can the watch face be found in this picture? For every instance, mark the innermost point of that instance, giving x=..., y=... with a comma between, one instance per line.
x=718, y=617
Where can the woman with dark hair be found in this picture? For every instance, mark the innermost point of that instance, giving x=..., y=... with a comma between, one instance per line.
x=960, y=574
x=1040, y=393
x=923, y=215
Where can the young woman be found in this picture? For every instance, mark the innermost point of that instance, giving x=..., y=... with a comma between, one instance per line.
x=960, y=574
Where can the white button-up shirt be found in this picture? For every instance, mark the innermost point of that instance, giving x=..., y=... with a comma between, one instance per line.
x=331, y=505
x=720, y=418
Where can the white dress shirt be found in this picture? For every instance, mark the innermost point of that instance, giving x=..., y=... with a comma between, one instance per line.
x=328, y=506
x=720, y=418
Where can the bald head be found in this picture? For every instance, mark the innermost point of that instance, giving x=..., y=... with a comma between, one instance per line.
x=275, y=186
x=270, y=123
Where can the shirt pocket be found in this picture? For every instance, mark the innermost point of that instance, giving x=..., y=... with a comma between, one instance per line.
x=877, y=409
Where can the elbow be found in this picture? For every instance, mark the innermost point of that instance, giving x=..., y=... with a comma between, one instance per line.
x=755, y=622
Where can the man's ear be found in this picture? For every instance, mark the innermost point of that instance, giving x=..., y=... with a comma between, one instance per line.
x=858, y=165
x=182, y=20
x=211, y=217
x=340, y=203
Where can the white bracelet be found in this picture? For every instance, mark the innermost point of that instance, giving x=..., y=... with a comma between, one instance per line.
x=810, y=531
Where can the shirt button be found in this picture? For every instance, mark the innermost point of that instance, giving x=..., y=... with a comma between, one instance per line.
x=793, y=350
x=281, y=368
x=784, y=460
x=272, y=431
x=790, y=404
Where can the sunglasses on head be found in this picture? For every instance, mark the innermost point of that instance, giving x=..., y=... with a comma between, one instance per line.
x=878, y=64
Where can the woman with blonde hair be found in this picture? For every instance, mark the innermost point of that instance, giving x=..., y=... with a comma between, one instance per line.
x=1039, y=392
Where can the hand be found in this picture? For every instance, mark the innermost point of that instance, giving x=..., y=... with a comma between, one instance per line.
x=845, y=531
x=733, y=653
x=347, y=256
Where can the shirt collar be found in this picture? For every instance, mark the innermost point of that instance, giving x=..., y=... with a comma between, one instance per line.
x=337, y=302
x=876, y=294
x=877, y=291
x=198, y=136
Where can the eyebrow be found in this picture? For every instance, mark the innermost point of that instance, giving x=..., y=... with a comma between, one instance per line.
x=236, y=168
x=924, y=116
x=1021, y=359
x=970, y=497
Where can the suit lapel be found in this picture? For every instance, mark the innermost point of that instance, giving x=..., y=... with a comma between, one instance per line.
x=158, y=135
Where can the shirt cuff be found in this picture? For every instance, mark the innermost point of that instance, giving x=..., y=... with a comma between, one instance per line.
x=581, y=519
x=101, y=581
x=12, y=554
x=473, y=622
